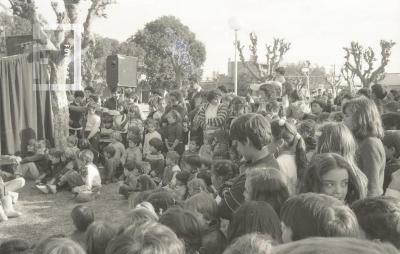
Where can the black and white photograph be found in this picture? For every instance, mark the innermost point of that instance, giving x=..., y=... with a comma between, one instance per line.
x=199, y=127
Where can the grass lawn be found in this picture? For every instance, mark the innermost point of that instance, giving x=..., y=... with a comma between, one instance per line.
x=46, y=214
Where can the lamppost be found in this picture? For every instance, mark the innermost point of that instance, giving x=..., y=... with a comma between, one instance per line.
x=234, y=25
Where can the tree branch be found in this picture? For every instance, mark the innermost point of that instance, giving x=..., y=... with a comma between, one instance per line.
x=242, y=59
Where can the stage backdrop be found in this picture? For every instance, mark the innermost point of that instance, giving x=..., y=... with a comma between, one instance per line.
x=24, y=112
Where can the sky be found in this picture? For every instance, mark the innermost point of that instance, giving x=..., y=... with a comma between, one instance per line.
x=317, y=29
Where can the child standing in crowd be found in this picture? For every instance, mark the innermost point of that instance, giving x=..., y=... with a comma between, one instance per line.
x=391, y=142
x=171, y=169
x=251, y=135
x=291, y=151
x=337, y=138
x=363, y=119
x=173, y=133
x=133, y=152
x=155, y=158
x=206, y=210
x=266, y=185
x=331, y=174
x=131, y=174
x=111, y=165
x=151, y=127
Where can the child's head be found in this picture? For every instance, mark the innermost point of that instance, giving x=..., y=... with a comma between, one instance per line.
x=254, y=243
x=145, y=183
x=238, y=106
x=86, y=156
x=161, y=201
x=252, y=217
x=109, y=151
x=31, y=145
x=185, y=225
x=250, y=132
x=174, y=117
x=222, y=171
x=331, y=174
x=194, y=145
x=72, y=141
x=318, y=106
x=151, y=125
x=84, y=144
x=362, y=117
x=82, y=216
x=116, y=136
x=150, y=237
x=156, y=145
x=55, y=155
x=196, y=185
x=379, y=217
x=98, y=235
x=267, y=185
x=306, y=129
x=42, y=146
x=16, y=246
x=312, y=214
x=59, y=245
x=391, y=142
x=134, y=141
x=182, y=178
x=141, y=215
x=191, y=163
x=172, y=158
x=204, y=206
x=334, y=245
x=285, y=136
x=336, y=138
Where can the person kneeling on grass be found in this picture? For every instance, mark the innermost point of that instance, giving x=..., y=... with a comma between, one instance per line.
x=84, y=181
x=6, y=204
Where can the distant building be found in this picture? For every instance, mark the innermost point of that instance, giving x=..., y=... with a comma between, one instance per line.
x=391, y=81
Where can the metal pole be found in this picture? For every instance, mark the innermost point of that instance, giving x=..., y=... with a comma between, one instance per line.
x=235, y=78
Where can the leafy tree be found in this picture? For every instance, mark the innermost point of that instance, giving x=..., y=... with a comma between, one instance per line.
x=173, y=55
x=360, y=62
x=275, y=52
x=60, y=41
x=15, y=25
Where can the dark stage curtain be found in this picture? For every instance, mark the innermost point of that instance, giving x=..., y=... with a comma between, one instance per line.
x=25, y=112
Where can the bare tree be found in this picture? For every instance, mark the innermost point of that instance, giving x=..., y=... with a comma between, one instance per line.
x=60, y=39
x=348, y=76
x=275, y=52
x=360, y=62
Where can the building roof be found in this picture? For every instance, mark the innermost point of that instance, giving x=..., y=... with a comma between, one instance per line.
x=391, y=79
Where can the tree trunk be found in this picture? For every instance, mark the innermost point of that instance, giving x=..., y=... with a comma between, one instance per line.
x=59, y=103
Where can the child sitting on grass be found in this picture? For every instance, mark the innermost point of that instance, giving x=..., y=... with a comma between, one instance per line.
x=133, y=152
x=171, y=169
x=155, y=158
x=72, y=142
x=82, y=217
x=131, y=174
x=86, y=178
x=116, y=143
x=111, y=165
x=151, y=127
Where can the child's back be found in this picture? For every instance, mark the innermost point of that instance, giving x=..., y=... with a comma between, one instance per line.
x=288, y=167
x=119, y=149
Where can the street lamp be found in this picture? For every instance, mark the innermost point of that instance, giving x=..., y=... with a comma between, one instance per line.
x=234, y=25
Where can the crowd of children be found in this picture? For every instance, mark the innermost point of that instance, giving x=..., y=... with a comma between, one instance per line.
x=209, y=172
